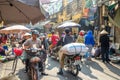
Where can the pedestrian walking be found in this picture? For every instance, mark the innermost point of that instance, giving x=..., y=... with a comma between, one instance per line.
x=89, y=42
x=104, y=42
x=67, y=39
x=80, y=38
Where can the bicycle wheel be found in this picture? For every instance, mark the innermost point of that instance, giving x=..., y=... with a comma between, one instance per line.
x=14, y=65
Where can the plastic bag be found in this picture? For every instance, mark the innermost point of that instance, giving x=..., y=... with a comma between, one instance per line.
x=93, y=51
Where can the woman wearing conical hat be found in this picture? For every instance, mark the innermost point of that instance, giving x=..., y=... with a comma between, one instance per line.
x=104, y=41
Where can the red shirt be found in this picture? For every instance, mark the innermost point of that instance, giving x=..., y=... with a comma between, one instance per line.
x=54, y=39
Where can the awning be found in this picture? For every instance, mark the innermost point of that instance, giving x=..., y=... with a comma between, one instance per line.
x=116, y=20
x=112, y=6
x=117, y=17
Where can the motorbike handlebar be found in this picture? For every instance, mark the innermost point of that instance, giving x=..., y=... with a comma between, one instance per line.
x=32, y=50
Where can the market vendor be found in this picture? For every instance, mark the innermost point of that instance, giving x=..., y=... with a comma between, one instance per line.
x=2, y=51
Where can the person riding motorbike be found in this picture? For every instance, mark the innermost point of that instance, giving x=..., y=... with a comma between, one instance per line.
x=54, y=40
x=66, y=40
x=31, y=43
x=24, y=54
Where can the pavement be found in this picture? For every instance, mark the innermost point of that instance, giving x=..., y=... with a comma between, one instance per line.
x=95, y=70
x=1, y=68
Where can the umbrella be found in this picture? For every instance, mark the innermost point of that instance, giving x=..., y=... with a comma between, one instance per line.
x=15, y=29
x=69, y=24
x=37, y=4
x=45, y=22
x=30, y=2
x=13, y=11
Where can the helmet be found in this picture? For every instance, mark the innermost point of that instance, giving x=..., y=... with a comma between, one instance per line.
x=35, y=32
x=67, y=30
x=27, y=34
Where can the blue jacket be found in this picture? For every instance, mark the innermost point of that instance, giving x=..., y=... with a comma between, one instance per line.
x=89, y=39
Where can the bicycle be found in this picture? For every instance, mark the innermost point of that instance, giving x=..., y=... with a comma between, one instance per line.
x=17, y=52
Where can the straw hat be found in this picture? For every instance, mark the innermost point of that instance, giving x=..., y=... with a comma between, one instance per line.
x=27, y=34
x=103, y=32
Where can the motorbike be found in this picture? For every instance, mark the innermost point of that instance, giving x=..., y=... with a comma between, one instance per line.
x=73, y=63
x=35, y=65
x=54, y=52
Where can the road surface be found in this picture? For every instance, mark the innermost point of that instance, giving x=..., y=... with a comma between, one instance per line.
x=95, y=70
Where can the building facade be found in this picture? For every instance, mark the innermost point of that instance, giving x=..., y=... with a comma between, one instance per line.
x=72, y=11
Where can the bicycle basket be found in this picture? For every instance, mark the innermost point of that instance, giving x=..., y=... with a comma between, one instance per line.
x=18, y=51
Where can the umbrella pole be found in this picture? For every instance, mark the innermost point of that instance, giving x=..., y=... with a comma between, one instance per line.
x=11, y=46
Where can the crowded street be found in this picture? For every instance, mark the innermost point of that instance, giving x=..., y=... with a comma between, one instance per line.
x=59, y=39
x=95, y=70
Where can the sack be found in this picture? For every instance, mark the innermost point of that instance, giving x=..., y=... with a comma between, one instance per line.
x=75, y=48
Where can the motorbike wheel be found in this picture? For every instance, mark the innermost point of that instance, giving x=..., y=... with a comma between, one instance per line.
x=75, y=70
x=49, y=53
x=34, y=74
x=29, y=73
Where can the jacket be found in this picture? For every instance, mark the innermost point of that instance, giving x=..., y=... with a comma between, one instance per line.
x=104, y=40
x=67, y=39
x=89, y=38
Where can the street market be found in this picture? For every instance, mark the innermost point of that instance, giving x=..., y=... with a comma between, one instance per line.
x=59, y=39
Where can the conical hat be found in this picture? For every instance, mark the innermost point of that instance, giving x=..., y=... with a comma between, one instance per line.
x=27, y=34
x=103, y=32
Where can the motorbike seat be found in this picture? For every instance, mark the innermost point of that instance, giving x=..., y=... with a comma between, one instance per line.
x=72, y=56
